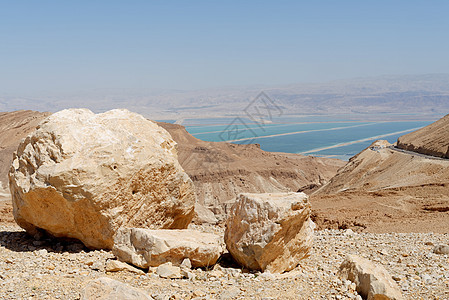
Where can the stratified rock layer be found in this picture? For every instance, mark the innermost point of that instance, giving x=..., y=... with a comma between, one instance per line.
x=271, y=231
x=84, y=175
x=150, y=248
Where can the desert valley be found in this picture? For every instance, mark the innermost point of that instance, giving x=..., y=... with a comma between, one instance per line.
x=218, y=150
x=106, y=200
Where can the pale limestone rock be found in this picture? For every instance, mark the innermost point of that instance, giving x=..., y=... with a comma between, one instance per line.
x=270, y=231
x=150, y=248
x=186, y=263
x=105, y=288
x=116, y=266
x=441, y=249
x=203, y=215
x=84, y=175
x=372, y=281
x=167, y=270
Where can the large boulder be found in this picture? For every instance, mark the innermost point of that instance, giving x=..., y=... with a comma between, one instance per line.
x=271, y=231
x=84, y=175
x=372, y=281
x=105, y=288
x=150, y=248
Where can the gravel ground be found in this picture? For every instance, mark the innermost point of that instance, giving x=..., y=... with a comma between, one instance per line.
x=55, y=269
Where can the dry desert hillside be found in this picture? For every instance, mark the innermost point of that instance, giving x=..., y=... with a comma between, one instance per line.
x=383, y=189
x=431, y=140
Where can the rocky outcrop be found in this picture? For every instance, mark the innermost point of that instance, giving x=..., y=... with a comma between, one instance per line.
x=372, y=281
x=105, y=288
x=431, y=140
x=150, y=248
x=271, y=231
x=82, y=175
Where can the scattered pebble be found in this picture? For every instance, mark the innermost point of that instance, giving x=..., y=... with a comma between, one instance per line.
x=26, y=273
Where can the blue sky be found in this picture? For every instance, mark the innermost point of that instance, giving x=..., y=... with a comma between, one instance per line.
x=70, y=46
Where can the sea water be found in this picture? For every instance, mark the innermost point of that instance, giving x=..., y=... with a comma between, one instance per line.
x=327, y=136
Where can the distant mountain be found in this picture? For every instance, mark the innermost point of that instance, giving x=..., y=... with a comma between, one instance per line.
x=385, y=94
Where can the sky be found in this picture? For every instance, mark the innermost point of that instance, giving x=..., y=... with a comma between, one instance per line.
x=72, y=46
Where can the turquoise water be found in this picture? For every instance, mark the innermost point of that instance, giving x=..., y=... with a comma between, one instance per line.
x=328, y=136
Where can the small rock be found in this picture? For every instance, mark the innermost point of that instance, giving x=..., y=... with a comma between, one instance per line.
x=188, y=275
x=372, y=281
x=348, y=232
x=116, y=266
x=203, y=215
x=167, y=270
x=198, y=293
x=441, y=249
x=97, y=266
x=107, y=288
x=149, y=248
x=231, y=293
x=186, y=263
x=89, y=263
x=42, y=252
x=426, y=278
x=267, y=276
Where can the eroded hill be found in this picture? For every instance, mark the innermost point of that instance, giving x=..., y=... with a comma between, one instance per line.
x=430, y=140
x=383, y=190
x=221, y=170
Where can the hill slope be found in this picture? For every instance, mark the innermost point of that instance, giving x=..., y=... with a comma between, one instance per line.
x=14, y=126
x=221, y=170
x=384, y=190
x=431, y=140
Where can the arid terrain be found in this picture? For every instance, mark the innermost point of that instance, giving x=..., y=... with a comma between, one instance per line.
x=431, y=140
x=220, y=171
x=378, y=190
x=383, y=189
x=386, y=205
